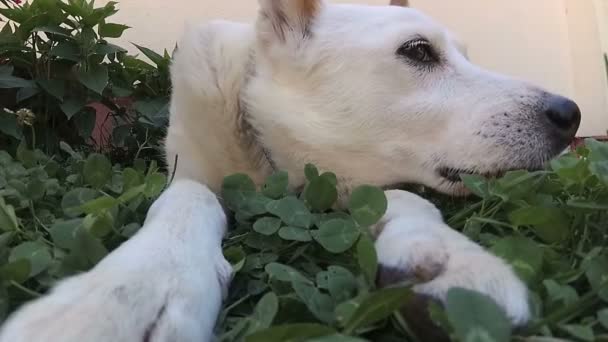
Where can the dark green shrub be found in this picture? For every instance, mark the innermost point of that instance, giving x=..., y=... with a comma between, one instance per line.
x=55, y=61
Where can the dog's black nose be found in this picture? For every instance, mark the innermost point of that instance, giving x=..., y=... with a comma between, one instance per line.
x=564, y=115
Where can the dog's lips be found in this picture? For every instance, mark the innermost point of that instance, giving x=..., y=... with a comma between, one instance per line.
x=453, y=174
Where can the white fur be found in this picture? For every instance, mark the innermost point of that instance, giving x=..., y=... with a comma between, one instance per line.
x=325, y=88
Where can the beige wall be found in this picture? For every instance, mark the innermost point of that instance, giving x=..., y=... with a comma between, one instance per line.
x=554, y=43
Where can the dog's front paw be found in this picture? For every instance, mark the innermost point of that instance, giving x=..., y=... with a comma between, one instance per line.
x=225, y=273
x=414, y=244
x=436, y=267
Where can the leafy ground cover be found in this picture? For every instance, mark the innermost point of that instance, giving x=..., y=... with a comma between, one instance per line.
x=304, y=270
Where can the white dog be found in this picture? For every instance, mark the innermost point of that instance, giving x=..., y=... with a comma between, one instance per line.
x=379, y=95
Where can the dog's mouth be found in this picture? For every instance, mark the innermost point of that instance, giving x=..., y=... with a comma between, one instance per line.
x=453, y=175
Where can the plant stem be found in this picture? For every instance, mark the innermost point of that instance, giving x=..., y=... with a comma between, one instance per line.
x=25, y=289
x=464, y=213
x=33, y=137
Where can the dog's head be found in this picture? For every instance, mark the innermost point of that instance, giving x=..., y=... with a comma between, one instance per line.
x=386, y=95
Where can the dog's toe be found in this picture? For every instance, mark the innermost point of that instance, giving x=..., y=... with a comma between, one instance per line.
x=482, y=272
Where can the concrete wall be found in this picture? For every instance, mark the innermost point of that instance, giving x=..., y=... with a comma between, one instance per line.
x=554, y=43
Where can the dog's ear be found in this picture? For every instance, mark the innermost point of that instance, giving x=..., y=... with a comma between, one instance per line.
x=404, y=3
x=282, y=19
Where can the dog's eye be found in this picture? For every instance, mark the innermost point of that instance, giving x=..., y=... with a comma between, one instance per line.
x=419, y=51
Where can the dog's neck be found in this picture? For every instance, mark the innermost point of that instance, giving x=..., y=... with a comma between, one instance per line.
x=261, y=154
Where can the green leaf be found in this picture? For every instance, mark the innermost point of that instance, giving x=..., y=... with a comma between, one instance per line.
x=88, y=248
x=258, y=261
x=336, y=236
x=107, y=49
x=367, y=258
x=596, y=271
x=600, y=169
x=276, y=185
x=311, y=172
x=131, y=178
x=570, y=169
x=67, y=50
x=295, y=234
x=5, y=158
x=56, y=88
x=72, y=106
x=236, y=190
x=68, y=149
x=9, y=125
x=95, y=78
x=367, y=205
x=339, y=281
x=155, y=112
x=28, y=92
x=85, y=122
x=8, y=219
x=580, y=332
x=585, y=204
x=299, y=332
x=602, y=317
x=598, y=151
x=63, y=233
x=375, y=307
x=131, y=194
x=267, y=225
x=111, y=30
x=153, y=56
x=6, y=239
x=74, y=199
x=320, y=304
x=478, y=185
x=345, y=310
x=35, y=189
x=15, y=14
x=284, y=273
x=36, y=253
x=8, y=81
x=18, y=271
x=97, y=170
x=550, y=223
x=331, y=177
x=292, y=211
x=131, y=229
x=264, y=313
x=6, y=69
x=476, y=317
x=99, y=225
x=25, y=155
x=54, y=29
x=337, y=338
x=155, y=184
x=236, y=257
x=321, y=194
x=524, y=255
x=563, y=294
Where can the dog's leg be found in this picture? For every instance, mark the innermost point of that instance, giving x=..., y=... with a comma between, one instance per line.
x=164, y=284
x=414, y=243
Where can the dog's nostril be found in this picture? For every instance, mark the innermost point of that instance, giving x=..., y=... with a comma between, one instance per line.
x=564, y=114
